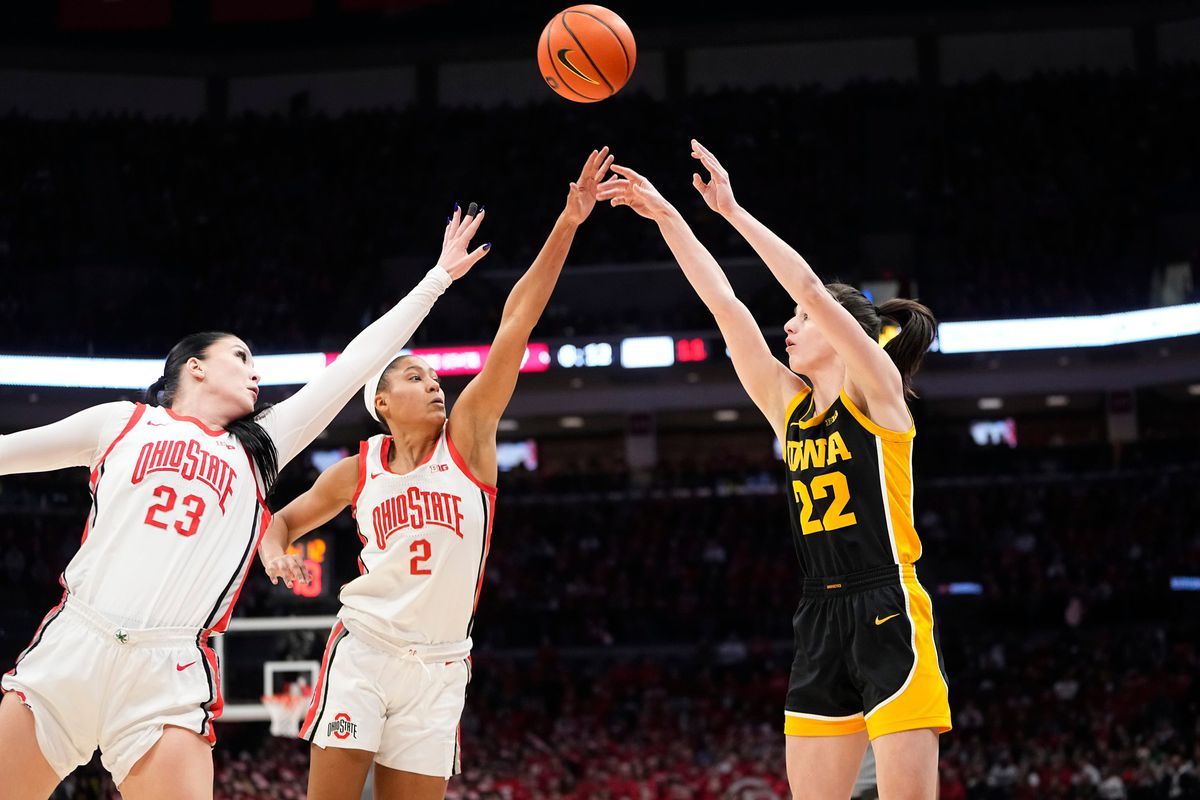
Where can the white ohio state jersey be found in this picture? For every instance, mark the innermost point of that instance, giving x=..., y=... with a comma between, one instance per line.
x=176, y=516
x=425, y=537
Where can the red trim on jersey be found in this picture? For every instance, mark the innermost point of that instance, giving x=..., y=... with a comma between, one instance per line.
x=223, y=623
x=217, y=706
x=51, y=614
x=363, y=449
x=487, y=546
x=462, y=464
x=138, y=411
x=196, y=422
x=386, y=448
x=316, y=695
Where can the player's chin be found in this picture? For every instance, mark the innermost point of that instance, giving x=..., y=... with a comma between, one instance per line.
x=244, y=405
x=796, y=362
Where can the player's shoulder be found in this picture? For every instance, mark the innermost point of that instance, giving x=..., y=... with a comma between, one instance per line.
x=116, y=415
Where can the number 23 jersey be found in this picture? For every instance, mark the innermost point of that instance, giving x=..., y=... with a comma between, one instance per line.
x=849, y=489
x=425, y=536
x=176, y=517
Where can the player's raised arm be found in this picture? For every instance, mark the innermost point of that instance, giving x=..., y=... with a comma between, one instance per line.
x=334, y=490
x=295, y=422
x=477, y=413
x=769, y=383
x=871, y=369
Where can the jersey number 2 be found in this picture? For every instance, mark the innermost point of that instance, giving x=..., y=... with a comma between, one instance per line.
x=193, y=509
x=421, y=546
x=834, y=518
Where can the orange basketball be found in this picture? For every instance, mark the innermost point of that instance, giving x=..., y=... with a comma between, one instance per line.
x=586, y=53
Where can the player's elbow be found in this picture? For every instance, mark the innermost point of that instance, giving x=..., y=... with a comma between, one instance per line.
x=724, y=305
x=808, y=289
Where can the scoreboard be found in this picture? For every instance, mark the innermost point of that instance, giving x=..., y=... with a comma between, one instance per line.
x=314, y=550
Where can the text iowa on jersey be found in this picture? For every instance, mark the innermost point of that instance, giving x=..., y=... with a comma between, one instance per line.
x=416, y=509
x=817, y=453
x=190, y=461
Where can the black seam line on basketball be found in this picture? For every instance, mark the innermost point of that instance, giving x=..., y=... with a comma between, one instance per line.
x=482, y=556
x=586, y=55
x=241, y=569
x=629, y=67
x=554, y=65
x=38, y=639
x=212, y=687
x=316, y=725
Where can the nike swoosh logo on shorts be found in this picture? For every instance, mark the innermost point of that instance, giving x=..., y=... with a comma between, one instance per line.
x=182, y=667
x=879, y=621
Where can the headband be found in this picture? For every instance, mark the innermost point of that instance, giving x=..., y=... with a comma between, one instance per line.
x=372, y=387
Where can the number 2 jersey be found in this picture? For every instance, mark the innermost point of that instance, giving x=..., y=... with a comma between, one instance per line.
x=425, y=536
x=849, y=488
x=175, y=520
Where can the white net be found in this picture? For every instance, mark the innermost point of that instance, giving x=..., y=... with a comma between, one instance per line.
x=288, y=707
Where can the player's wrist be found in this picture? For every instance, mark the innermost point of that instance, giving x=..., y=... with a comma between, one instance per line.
x=667, y=215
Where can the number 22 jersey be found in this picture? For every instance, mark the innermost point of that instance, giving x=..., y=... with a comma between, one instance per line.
x=849, y=489
x=425, y=536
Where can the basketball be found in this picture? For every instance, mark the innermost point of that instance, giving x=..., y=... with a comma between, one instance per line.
x=586, y=53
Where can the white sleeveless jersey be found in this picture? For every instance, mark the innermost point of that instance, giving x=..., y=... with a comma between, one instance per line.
x=425, y=538
x=176, y=517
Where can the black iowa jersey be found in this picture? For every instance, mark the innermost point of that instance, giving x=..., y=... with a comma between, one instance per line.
x=849, y=488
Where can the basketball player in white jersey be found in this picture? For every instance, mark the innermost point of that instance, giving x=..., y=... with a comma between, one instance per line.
x=394, y=675
x=123, y=662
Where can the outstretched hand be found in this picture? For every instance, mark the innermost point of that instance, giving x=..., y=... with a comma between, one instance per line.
x=455, y=258
x=717, y=192
x=628, y=188
x=288, y=568
x=581, y=198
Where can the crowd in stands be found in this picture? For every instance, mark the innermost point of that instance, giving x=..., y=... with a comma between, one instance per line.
x=987, y=199
x=1097, y=714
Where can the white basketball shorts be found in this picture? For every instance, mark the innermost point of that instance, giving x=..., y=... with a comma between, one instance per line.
x=403, y=705
x=92, y=684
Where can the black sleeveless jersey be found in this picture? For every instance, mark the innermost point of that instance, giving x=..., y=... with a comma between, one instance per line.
x=849, y=489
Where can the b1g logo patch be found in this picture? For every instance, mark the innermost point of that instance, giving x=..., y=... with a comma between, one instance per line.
x=341, y=727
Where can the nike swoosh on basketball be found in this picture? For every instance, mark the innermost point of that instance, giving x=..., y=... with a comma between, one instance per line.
x=182, y=667
x=879, y=621
x=156, y=424
x=375, y=475
x=566, y=62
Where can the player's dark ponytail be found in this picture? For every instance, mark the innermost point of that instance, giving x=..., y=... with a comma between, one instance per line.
x=916, y=322
x=245, y=429
x=917, y=331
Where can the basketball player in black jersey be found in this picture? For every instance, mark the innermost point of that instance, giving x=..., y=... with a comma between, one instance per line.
x=866, y=666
